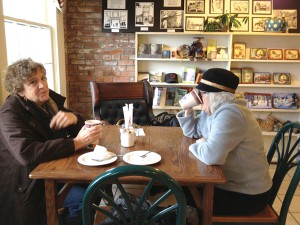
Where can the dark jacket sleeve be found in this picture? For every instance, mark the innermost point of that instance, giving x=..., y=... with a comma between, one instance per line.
x=29, y=139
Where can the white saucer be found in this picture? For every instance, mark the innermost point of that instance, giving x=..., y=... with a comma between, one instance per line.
x=135, y=159
x=86, y=159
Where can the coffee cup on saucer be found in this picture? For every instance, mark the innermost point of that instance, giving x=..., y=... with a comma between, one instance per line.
x=89, y=124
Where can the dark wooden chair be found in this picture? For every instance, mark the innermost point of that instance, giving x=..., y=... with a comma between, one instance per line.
x=286, y=148
x=108, y=100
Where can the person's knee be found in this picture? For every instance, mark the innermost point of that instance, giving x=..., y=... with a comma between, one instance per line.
x=74, y=199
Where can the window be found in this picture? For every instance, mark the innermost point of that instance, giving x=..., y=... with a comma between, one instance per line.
x=27, y=34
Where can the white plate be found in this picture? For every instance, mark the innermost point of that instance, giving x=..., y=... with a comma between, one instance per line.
x=86, y=159
x=135, y=159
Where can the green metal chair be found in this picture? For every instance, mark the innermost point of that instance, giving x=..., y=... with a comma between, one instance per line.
x=134, y=215
x=288, y=156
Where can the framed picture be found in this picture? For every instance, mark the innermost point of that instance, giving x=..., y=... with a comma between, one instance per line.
x=247, y=75
x=262, y=7
x=238, y=73
x=194, y=23
x=275, y=54
x=258, y=24
x=259, y=100
x=195, y=6
x=285, y=100
x=171, y=19
x=216, y=6
x=291, y=54
x=243, y=27
x=239, y=6
x=166, y=54
x=262, y=78
x=290, y=17
x=281, y=78
x=258, y=53
x=239, y=51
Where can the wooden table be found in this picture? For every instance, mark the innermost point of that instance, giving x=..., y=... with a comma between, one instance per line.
x=176, y=160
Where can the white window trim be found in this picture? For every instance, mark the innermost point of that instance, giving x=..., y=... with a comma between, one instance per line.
x=3, y=56
x=57, y=32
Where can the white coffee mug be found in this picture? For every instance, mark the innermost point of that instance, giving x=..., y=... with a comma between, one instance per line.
x=91, y=123
x=190, y=100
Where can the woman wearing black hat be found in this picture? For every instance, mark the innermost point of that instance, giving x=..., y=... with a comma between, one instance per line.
x=229, y=136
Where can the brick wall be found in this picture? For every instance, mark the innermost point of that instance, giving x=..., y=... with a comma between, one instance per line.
x=93, y=55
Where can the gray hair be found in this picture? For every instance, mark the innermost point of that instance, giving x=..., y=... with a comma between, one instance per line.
x=18, y=72
x=216, y=98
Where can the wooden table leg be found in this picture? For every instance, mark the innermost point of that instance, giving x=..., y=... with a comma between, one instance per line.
x=208, y=197
x=50, y=194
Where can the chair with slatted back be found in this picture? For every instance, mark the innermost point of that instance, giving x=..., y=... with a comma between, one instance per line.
x=140, y=213
x=285, y=145
x=108, y=100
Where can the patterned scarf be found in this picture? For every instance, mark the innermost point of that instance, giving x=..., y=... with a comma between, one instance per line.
x=50, y=107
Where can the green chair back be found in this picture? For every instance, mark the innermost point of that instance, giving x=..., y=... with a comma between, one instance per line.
x=136, y=216
x=285, y=155
x=286, y=146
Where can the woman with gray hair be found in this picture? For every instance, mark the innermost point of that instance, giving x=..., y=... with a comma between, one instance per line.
x=35, y=127
x=229, y=135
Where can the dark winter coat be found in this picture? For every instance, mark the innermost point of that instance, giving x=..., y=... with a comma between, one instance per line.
x=25, y=141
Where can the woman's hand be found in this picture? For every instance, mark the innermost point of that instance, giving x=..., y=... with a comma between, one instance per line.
x=188, y=111
x=87, y=136
x=62, y=120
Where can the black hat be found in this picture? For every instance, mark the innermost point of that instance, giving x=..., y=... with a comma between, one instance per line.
x=171, y=78
x=217, y=80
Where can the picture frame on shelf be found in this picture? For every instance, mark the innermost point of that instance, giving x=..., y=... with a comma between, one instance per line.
x=258, y=100
x=195, y=6
x=291, y=54
x=239, y=6
x=262, y=7
x=284, y=100
x=155, y=76
x=143, y=50
x=238, y=73
x=166, y=54
x=244, y=27
x=258, y=53
x=239, y=51
x=275, y=54
x=216, y=6
x=194, y=23
x=258, y=24
x=281, y=78
x=247, y=75
x=262, y=78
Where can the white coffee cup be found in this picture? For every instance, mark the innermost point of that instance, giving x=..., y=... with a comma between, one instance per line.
x=91, y=123
x=190, y=100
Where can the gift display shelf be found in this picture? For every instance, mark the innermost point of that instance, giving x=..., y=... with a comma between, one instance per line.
x=267, y=40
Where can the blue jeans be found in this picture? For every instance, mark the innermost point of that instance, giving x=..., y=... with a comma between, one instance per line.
x=73, y=204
